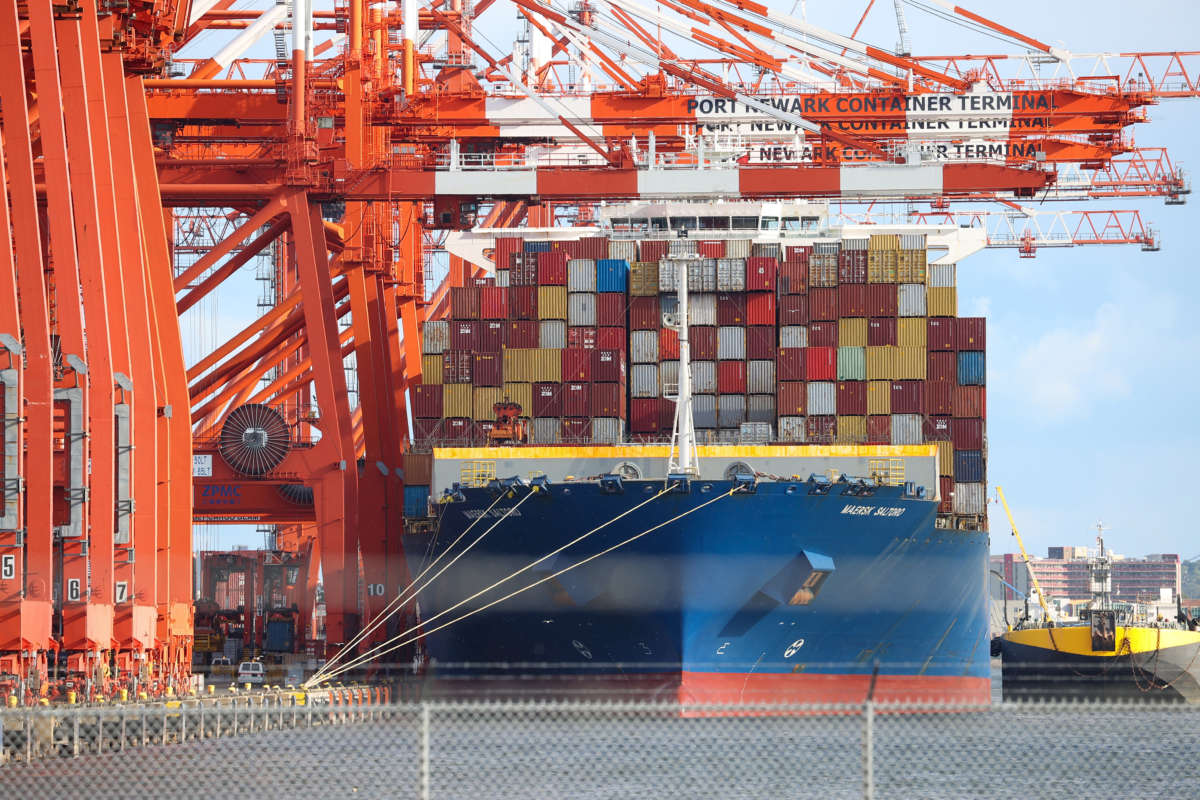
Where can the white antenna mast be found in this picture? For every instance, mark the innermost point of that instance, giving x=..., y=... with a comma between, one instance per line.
x=683, y=431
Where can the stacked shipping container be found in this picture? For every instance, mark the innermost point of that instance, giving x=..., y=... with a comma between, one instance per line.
x=842, y=341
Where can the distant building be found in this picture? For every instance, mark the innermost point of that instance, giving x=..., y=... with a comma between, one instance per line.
x=1064, y=574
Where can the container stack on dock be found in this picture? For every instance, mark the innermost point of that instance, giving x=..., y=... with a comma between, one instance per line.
x=842, y=341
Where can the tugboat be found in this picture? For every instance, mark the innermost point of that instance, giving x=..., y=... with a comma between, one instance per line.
x=1114, y=651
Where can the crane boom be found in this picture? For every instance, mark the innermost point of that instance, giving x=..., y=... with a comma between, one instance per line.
x=1029, y=566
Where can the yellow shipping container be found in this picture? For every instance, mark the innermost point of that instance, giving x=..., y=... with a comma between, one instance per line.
x=946, y=459
x=881, y=363
x=852, y=332
x=522, y=395
x=431, y=369
x=910, y=364
x=851, y=430
x=552, y=302
x=942, y=301
x=911, y=266
x=879, y=397
x=532, y=364
x=884, y=241
x=910, y=331
x=881, y=266
x=643, y=279
x=456, y=400
x=484, y=399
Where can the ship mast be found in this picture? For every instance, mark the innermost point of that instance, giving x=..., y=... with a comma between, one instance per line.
x=1100, y=573
x=683, y=430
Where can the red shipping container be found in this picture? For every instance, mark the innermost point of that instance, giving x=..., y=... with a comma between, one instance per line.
x=852, y=266
x=939, y=397
x=967, y=434
x=652, y=250
x=522, y=270
x=731, y=309
x=487, y=369
x=608, y=366
x=760, y=273
x=908, y=397
x=577, y=399
x=714, y=248
x=793, y=309
x=940, y=333
x=823, y=334
x=464, y=302
x=937, y=429
x=547, y=400
x=576, y=366
x=482, y=282
x=852, y=397
x=577, y=430
x=481, y=429
x=793, y=277
x=456, y=366
x=608, y=400
x=797, y=252
x=493, y=302
x=462, y=335
x=946, y=486
x=644, y=415
x=522, y=302
x=593, y=247
x=610, y=339
x=668, y=345
x=881, y=331
x=879, y=429
x=852, y=300
x=425, y=431
x=703, y=341
x=506, y=248
x=823, y=305
x=521, y=334
x=761, y=342
x=789, y=364
x=489, y=336
x=457, y=430
x=821, y=429
x=970, y=401
x=610, y=310
x=791, y=398
x=731, y=377
x=552, y=268
x=427, y=401
x=881, y=300
x=969, y=333
x=643, y=313
x=820, y=363
x=760, y=308
x=581, y=337
x=943, y=367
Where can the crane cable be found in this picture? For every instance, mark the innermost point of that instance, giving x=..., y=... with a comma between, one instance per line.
x=552, y=576
x=398, y=601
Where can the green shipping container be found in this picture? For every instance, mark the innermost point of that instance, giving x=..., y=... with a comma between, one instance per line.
x=852, y=364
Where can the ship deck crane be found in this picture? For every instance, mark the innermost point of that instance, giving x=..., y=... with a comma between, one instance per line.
x=1024, y=555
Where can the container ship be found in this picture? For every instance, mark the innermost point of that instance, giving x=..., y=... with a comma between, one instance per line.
x=725, y=453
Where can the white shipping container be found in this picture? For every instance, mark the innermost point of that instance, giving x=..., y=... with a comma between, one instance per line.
x=731, y=275
x=643, y=347
x=760, y=379
x=754, y=432
x=704, y=377
x=704, y=411
x=737, y=248
x=502, y=278
x=546, y=430
x=907, y=429
x=911, y=300
x=702, y=309
x=793, y=336
x=552, y=334
x=822, y=397
x=681, y=247
x=826, y=248
x=969, y=498
x=855, y=243
x=731, y=410
x=608, y=430
x=623, y=248
x=435, y=337
x=581, y=275
x=581, y=309
x=668, y=373
x=792, y=429
x=667, y=271
x=702, y=275
x=643, y=380
x=912, y=241
x=941, y=276
x=767, y=249
x=760, y=408
x=731, y=343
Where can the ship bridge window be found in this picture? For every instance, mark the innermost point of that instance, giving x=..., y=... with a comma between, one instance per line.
x=684, y=223
x=743, y=223
x=620, y=223
x=792, y=224
x=769, y=224
x=658, y=223
x=810, y=223
x=714, y=223
x=738, y=468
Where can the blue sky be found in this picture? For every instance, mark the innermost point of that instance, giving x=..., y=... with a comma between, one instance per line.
x=1093, y=361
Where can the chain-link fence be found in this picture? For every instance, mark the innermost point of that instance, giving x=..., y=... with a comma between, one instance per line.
x=527, y=749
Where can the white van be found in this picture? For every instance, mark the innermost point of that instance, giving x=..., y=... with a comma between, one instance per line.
x=251, y=672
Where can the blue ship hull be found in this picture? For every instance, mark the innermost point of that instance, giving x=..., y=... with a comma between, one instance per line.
x=785, y=593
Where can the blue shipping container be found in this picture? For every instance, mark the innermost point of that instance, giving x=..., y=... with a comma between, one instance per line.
x=611, y=274
x=538, y=247
x=968, y=466
x=971, y=370
x=416, y=501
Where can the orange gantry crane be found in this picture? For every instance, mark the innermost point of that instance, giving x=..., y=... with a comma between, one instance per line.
x=139, y=183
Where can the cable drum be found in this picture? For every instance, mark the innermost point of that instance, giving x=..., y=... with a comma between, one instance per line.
x=254, y=439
